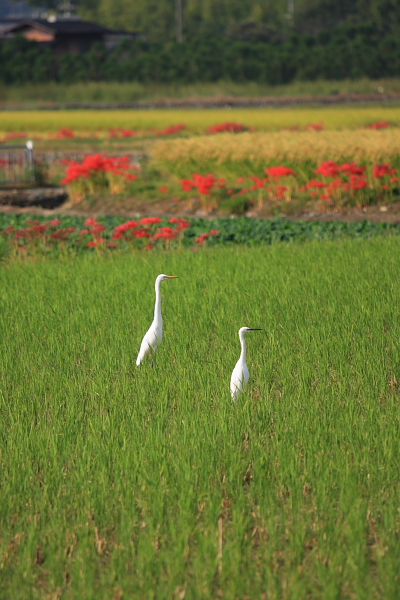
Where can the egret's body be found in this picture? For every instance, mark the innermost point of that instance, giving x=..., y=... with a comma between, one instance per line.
x=154, y=335
x=241, y=374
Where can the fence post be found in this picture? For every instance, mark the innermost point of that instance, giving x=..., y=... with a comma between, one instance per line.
x=29, y=161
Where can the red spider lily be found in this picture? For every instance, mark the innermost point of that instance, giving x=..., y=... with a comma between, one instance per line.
x=91, y=221
x=97, y=163
x=123, y=228
x=378, y=125
x=315, y=184
x=380, y=171
x=200, y=241
x=30, y=232
x=95, y=243
x=325, y=197
x=149, y=247
x=352, y=169
x=258, y=183
x=315, y=126
x=358, y=182
x=15, y=135
x=336, y=183
x=229, y=126
x=54, y=223
x=112, y=245
x=164, y=189
x=141, y=233
x=280, y=191
x=394, y=179
x=386, y=186
x=65, y=133
x=214, y=232
x=277, y=173
x=165, y=233
x=328, y=169
x=204, y=183
x=118, y=132
x=150, y=220
x=62, y=235
x=187, y=185
x=172, y=129
x=182, y=223
x=241, y=179
x=97, y=228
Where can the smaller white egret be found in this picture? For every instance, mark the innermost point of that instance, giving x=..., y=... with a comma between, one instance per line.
x=154, y=335
x=241, y=374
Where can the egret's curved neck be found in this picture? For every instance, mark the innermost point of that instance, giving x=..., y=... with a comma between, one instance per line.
x=243, y=344
x=157, y=308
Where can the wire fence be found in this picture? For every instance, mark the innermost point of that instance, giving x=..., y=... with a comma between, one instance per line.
x=16, y=164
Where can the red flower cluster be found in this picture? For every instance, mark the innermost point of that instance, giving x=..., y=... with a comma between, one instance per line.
x=119, y=132
x=172, y=129
x=95, y=163
x=201, y=239
x=229, y=127
x=277, y=173
x=315, y=126
x=39, y=232
x=38, y=235
x=378, y=125
x=95, y=229
x=142, y=229
x=204, y=183
x=65, y=133
x=380, y=171
x=15, y=135
x=336, y=179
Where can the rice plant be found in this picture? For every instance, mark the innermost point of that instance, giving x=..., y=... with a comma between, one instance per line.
x=122, y=482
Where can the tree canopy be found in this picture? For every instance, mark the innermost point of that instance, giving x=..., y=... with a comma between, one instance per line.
x=240, y=19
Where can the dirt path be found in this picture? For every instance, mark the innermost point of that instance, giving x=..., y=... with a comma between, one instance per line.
x=383, y=214
x=217, y=102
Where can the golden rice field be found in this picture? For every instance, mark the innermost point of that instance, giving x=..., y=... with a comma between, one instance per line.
x=196, y=120
x=360, y=145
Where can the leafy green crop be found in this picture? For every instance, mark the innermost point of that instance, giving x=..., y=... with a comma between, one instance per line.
x=230, y=231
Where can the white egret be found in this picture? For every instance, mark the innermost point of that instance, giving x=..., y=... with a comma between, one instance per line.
x=153, y=337
x=241, y=373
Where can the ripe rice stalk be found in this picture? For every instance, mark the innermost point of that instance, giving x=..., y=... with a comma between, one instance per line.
x=359, y=145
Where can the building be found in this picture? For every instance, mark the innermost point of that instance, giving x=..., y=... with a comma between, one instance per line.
x=64, y=35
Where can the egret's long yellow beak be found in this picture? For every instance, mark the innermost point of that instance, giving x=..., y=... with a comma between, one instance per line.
x=172, y=277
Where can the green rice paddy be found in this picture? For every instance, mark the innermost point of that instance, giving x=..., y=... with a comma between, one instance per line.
x=126, y=482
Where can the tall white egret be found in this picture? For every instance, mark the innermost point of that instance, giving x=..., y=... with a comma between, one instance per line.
x=153, y=337
x=241, y=374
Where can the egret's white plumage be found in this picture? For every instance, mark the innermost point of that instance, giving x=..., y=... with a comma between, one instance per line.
x=241, y=374
x=154, y=335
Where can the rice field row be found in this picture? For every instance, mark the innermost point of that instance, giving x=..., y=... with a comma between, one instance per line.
x=272, y=147
x=122, y=482
x=196, y=120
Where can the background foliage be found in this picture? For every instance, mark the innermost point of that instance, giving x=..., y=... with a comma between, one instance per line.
x=248, y=50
